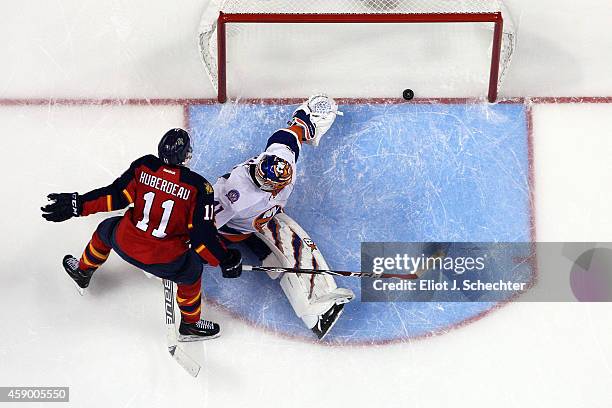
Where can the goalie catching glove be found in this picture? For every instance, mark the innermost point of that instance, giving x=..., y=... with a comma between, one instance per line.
x=316, y=116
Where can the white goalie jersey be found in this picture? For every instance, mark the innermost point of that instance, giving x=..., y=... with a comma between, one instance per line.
x=241, y=207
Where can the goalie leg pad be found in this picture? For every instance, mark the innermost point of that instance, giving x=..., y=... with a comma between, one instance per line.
x=310, y=295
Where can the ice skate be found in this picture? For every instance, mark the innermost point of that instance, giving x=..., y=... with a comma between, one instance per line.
x=79, y=277
x=327, y=320
x=198, y=331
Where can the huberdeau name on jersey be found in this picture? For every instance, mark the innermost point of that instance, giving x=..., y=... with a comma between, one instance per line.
x=164, y=185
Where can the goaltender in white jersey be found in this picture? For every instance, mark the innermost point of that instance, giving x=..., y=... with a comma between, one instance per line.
x=249, y=209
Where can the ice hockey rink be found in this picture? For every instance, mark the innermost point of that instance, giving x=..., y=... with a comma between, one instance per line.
x=86, y=87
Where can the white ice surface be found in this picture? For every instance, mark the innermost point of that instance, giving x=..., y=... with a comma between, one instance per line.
x=573, y=152
x=110, y=347
x=139, y=48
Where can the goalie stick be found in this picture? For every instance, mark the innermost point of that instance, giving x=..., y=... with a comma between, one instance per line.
x=188, y=363
x=276, y=269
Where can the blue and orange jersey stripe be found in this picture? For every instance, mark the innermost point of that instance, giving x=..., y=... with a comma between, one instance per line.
x=296, y=243
x=273, y=226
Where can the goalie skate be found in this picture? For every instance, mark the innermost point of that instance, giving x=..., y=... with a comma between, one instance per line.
x=327, y=320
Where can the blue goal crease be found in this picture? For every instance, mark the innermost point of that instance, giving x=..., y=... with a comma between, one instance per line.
x=399, y=172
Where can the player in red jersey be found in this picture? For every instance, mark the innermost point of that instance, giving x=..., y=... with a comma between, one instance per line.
x=168, y=231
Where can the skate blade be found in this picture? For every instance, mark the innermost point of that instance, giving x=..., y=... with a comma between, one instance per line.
x=186, y=338
x=332, y=325
x=78, y=288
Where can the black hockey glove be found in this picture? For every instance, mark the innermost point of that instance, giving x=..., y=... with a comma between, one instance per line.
x=231, y=266
x=63, y=207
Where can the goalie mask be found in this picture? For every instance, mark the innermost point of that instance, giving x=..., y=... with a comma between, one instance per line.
x=273, y=173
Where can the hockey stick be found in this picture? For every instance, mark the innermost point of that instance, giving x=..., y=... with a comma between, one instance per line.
x=188, y=363
x=276, y=269
x=410, y=276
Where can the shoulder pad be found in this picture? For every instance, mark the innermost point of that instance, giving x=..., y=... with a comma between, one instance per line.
x=197, y=180
x=286, y=138
x=150, y=161
x=238, y=190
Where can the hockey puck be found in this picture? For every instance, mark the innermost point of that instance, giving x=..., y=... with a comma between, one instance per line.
x=408, y=94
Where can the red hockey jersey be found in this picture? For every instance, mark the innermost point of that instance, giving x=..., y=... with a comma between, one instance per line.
x=173, y=207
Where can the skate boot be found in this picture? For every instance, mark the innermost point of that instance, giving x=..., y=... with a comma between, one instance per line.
x=327, y=320
x=80, y=277
x=198, y=331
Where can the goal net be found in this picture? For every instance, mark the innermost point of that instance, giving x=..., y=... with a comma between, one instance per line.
x=224, y=21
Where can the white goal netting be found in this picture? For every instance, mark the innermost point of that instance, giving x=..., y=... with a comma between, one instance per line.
x=207, y=35
x=359, y=6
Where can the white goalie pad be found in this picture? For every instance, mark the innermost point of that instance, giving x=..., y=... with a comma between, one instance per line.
x=309, y=295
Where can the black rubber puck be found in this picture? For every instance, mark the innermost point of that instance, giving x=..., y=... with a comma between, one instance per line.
x=408, y=94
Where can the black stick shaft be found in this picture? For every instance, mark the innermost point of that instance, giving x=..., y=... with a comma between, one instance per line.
x=331, y=272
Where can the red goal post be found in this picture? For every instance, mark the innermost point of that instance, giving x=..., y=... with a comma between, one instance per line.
x=213, y=33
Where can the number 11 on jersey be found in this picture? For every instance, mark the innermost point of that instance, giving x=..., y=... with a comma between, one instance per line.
x=160, y=231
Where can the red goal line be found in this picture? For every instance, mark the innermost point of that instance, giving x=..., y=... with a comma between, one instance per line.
x=292, y=101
